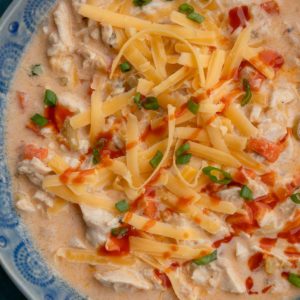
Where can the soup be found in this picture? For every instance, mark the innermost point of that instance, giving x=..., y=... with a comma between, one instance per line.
x=156, y=150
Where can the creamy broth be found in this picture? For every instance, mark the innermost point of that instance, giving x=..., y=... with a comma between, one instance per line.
x=53, y=231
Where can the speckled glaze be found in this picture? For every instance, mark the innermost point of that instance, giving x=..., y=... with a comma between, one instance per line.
x=17, y=254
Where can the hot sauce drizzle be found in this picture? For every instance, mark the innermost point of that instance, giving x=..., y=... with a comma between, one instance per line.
x=165, y=281
x=255, y=261
x=225, y=240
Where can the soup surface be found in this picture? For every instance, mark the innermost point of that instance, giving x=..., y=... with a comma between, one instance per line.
x=154, y=147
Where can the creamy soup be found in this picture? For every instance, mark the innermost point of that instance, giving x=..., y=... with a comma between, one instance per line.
x=154, y=147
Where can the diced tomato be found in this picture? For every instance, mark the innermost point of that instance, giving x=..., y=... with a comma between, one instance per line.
x=292, y=252
x=269, y=178
x=151, y=209
x=270, y=199
x=259, y=209
x=248, y=222
x=238, y=16
x=23, y=99
x=242, y=174
x=267, y=243
x=284, y=192
x=255, y=261
x=271, y=7
x=225, y=240
x=116, y=247
x=164, y=279
x=272, y=59
x=291, y=231
x=269, y=150
x=242, y=222
x=57, y=115
x=31, y=151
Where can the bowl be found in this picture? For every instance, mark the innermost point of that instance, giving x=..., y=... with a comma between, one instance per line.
x=18, y=256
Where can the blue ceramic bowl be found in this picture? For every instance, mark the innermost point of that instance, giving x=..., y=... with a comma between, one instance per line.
x=18, y=256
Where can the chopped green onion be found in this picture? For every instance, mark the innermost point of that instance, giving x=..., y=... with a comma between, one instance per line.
x=294, y=279
x=182, y=149
x=96, y=151
x=39, y=120
x=154, y=162
x=226, y=177
x=206, y=259
x=119, y=232
x=50, y=98
x=122, y=206
x=125, y=67
x=296, y=129
x=248, y=95
x=296, y=198
x=195, y=17
x=150, y=103
x=186, y=9
x=183, y=159
x=96, y=156
x=141, y=2
x=246, y=193
x=193, y=106
x=137, y=100
x=36, y=70
x=101, y=143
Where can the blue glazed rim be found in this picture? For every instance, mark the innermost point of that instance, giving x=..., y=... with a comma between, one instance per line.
x=18, y=255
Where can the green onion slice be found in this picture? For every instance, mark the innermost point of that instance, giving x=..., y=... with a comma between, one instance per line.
x=137, y=100
x=36, y=70
x=154, y=162
x=150, y=103
x=246, y=193
x=141, y=2
x=186, y=9
x=182, y=149
x=206, y=259
x=125, y=67
x=122, y=206
x=119, y=232
x=193, y=106
x=210, y=171
x=96, y=156
x=39, y=120
x=248, y=95
x=183, y=159
x=296, y=198
x=50, y=98
x=294, y=279
x=195, y=17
